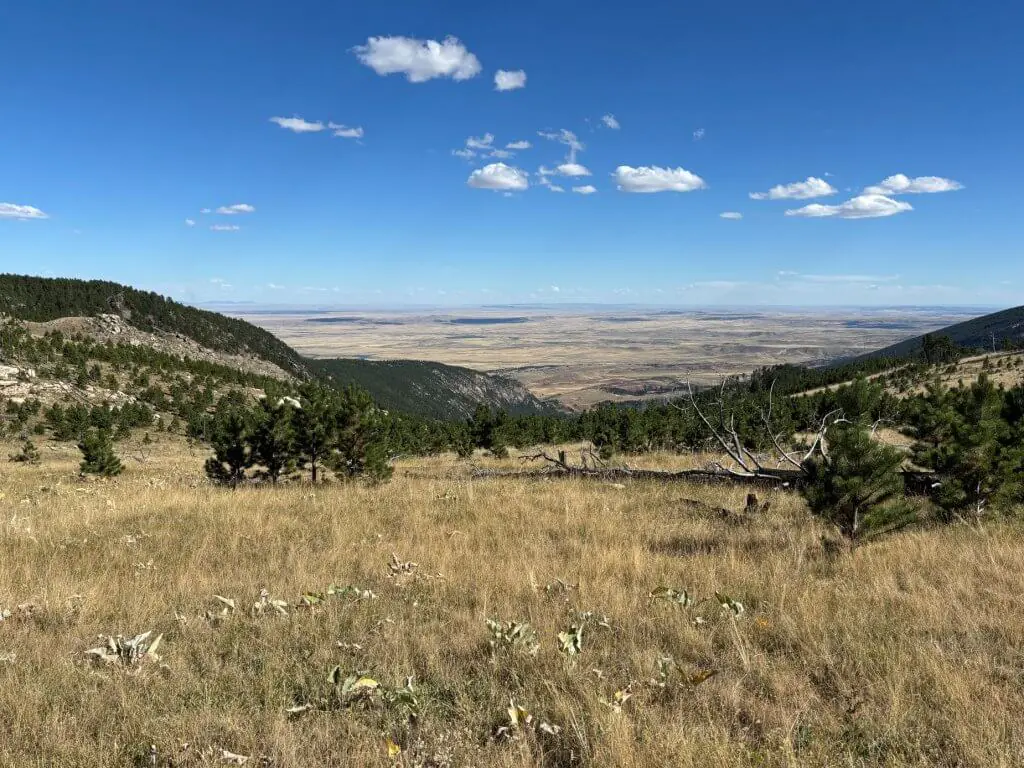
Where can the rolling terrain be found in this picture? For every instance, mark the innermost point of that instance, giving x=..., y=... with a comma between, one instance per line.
x=583, y=356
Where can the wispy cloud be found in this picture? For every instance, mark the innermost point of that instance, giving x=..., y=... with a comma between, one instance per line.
x=231, y=210
x=544, y=181
x=731, y=215
x=221, y=283
x=298, y=125
x=812, y=278
x=190, y=222
x=610, y=121
x=21, y=212
x=483, y=142
x=509, y=81
x=899, y=184
x=499, y=177
x=587, y=189
x=860, y=207
x=566, y=137
x=418, y=60
x=342, y=131
x=647, y=179
x=798, y=190
x=465, y=154
x=698, y=134
x=518, y=145
x=224, y=227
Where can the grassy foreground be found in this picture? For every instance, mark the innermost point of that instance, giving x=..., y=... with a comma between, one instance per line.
x=909, y=651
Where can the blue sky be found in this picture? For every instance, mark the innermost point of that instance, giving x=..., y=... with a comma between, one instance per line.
x=121, y=122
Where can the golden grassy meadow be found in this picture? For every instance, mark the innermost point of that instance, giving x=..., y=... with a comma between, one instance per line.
x=906, y=652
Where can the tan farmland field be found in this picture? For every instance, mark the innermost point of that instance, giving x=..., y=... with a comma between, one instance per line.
x=905, y=652
x=584, y=357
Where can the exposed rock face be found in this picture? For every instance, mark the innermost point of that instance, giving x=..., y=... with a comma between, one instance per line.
x=20, y=384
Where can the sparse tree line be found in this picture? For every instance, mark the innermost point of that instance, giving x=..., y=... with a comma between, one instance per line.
x=970, y=436
x=318, y=431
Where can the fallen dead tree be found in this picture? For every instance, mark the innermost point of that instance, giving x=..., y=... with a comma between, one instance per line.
x=917, y=483
x=748, y=468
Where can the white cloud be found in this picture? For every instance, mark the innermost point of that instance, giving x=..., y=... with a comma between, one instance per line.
x=345, y=131
x=221, y=283
x=655, y=179
x=465, y=154
x=718, y=285
x=509, y=81
x=224, y=227
x=732, y=215
x=298, y=125
x=21, y=212
x=860, y=207
x=544, y=181
x=698, y=134
x=231, y=210
x=798, y=190
x=484, y=142
x=502, y=154
x=610, y=122
x=518, y=145
x=566, y=137
x=498, y=176
x=275, y=287
x=838, y=278
x=587, y=189
x=900, y=184
x=190, y=222
x=418, y=60
x=205, y=210
x=571, y=169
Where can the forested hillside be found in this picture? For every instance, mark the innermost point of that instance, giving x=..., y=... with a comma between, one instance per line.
x=1004, y=329
x=432, y=390
x=41, y=299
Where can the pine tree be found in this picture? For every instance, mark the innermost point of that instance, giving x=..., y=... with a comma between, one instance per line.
x=857, y=487
x=273, y=440
x=98, y=457
x=361, y=447
x=971, y=437
x=484, y=428
x=315, y=428
x=232, y=454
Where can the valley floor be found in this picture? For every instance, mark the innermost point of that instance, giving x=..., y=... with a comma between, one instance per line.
x=907, y=651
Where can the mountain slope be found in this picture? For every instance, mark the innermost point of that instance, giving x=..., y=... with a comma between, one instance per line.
x=1006, y=325
x=161, y=334
x=42, y=299
x=430, y=389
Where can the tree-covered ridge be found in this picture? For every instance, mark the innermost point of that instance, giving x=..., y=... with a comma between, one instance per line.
x=41, y=299
x=998, y=330
x=431, y=390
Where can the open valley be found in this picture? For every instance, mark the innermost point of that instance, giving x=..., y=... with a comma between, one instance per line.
x=581, y=357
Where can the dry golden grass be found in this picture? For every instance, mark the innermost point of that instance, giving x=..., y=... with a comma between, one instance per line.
x=906, y=652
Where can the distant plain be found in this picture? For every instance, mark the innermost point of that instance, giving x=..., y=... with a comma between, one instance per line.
x=582, y=356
